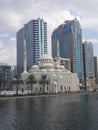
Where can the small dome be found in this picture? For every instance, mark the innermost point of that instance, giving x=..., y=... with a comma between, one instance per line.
x=58, y=67
x=61, y=76
x=62, y=66
x=35, y=67
x=55, y=83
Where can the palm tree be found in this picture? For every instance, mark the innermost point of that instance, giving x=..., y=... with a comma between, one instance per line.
x=17, y=80
x=43, y=80
x=5, y=83
x=31, y=80
x=10, y=82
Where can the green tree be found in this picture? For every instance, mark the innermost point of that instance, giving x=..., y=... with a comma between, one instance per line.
x=43, y=80
x=31, y=80
x=17, y=80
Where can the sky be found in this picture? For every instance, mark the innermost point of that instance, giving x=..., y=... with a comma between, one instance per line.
x=15, y=13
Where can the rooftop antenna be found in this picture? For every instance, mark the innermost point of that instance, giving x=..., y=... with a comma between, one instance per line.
x=39, y=15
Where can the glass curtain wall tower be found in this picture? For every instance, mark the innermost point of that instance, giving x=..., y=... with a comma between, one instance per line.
x=35, y=34
x=96, y=68
x=88, y=56
x=69, y=35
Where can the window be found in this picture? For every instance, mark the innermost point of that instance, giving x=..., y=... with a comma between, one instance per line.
x=47, y=88
x=61, y=87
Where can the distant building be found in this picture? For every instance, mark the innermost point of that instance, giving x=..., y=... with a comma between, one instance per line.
x=5, y=71
x=66, y=63
x=88, y=64
x=35, y=34
x=13, y=71
x=96, y=68
x=69, y=35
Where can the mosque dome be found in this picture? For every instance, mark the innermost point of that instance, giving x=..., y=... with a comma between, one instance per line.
x=46, y=62
x=62, y=67
x=44, y=70
x=47, y=65
x=51, y=70
x=46, y=56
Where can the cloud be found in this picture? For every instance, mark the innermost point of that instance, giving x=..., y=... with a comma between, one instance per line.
x=8, y=51
x=94, y=41
x=9, y=21
x=15, y=13
x=90, y=23
x=1, y=44
x=4, y=35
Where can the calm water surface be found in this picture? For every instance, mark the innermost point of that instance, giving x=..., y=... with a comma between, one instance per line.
x=63, y=112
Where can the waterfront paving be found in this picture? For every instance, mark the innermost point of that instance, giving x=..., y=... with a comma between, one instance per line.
x=14, y=96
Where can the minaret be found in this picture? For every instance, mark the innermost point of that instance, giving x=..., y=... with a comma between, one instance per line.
x=58, y=53
x=25, y=58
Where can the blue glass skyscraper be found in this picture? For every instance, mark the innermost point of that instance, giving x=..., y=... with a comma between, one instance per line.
x=69, y=35
x=96, y=68
x=35, y=34
x=88, y=57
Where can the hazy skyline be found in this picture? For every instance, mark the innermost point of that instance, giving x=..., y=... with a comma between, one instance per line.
x=15, y=13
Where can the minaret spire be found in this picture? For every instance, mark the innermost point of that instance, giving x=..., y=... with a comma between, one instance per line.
x=25, y=58
x=58, y=53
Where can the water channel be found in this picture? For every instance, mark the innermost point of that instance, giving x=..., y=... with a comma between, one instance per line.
x=58, y=112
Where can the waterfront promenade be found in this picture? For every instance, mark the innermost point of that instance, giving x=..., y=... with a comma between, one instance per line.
x=12, y=94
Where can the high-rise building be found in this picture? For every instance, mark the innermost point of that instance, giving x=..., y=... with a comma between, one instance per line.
x=96, y=68
x=35, y=35
x=88, y=57
x=69, y=35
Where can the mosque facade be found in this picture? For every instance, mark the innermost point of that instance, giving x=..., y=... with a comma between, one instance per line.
x=60, y=79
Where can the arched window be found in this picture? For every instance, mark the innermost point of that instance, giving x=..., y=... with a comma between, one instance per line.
x=36, y=88
x=61, y=87
x=47, y=88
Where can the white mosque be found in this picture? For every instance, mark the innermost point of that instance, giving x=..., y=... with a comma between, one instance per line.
x=60, y=79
